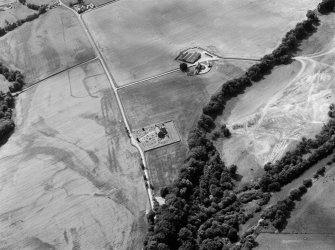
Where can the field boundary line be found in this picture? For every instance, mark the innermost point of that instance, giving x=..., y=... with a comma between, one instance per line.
x=54, y=74
x=101, y=6
x=330, y=234
x=148, y=78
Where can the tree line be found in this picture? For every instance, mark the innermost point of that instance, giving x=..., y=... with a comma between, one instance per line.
x=278, y=214
x=294, y=163
x=6, y=111
x=201, y=209
x=16, y=79
x=11, y=26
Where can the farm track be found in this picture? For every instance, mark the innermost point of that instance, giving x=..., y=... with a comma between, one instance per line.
x=113, y=85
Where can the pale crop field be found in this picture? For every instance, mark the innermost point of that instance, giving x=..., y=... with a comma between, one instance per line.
x=314, y=214
x=140, y=40
x=53, y=42
x=175, y=97
x=69, y=177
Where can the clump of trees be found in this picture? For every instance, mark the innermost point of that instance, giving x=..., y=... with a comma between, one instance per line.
x=202, y=210
x=280, y=212
x=183, y=67
x=326, y=6
x=7, y=101
x=6, y=111
x=11, y=26
x=321, y=171
x=281, y=55
x=293, y=164
x=331, y=112
x=13, y=76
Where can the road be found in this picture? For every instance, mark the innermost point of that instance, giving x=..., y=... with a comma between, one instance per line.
x=114, y=88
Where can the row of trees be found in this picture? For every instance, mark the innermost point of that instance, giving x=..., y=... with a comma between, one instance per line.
x=201, y=209
x=11, y=26
x=280, y=212
x=294, y=163
x=326, y=6
x=281, y=55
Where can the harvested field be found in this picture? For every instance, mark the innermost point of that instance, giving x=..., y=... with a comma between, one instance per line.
x=143, y=41
x=174, y=97
x=275, y=113
x=53, y=42
x=295, y=241
x=69, y=177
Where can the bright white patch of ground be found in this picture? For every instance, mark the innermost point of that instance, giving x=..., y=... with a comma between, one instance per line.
x=273, y=114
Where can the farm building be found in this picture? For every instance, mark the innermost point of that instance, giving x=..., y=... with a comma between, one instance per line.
x=189, y=56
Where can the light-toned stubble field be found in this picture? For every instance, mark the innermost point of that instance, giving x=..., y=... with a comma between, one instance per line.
x=142, y=40
x=53, y=42
x=69, y=178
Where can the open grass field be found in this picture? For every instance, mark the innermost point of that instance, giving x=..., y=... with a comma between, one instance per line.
x=40, y=2
x=53, y=42
x=69, y=178
x=142, y=40
x=175, y=97
x=295, y=242
x=315, y=213
x=290, y=103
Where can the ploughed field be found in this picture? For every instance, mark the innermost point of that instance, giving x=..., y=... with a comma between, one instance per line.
x=142, y=40
x=69, y=178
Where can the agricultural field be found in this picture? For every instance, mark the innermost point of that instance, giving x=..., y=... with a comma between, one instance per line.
x=69, y=177
x=50, y=44
x=314, y=214
x=144, y=41
x=295, y=241
x=290, y=103
x=178, y=98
